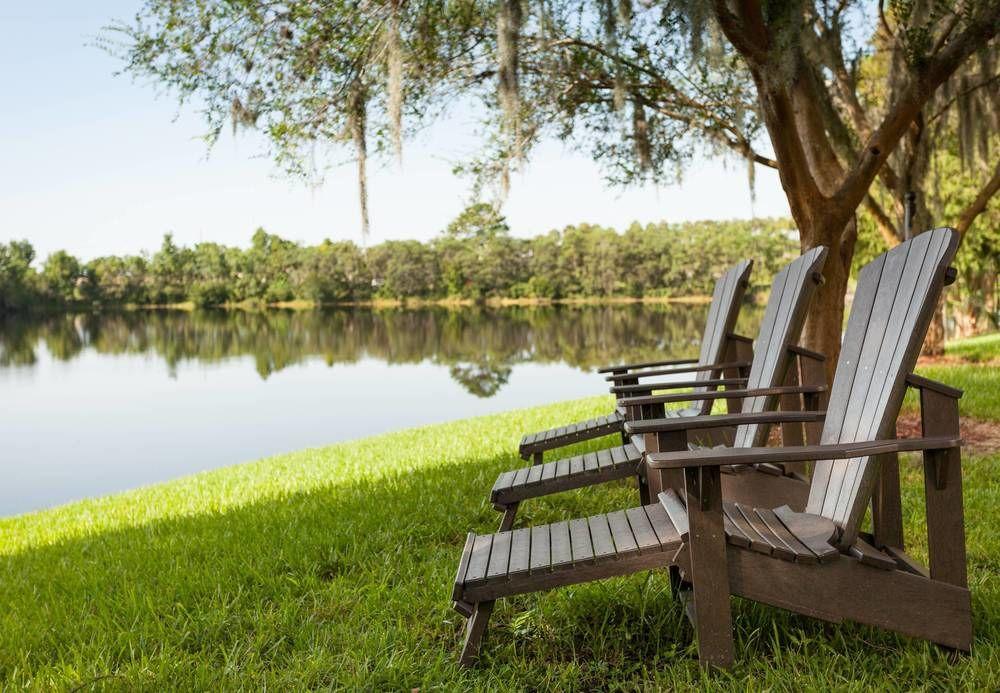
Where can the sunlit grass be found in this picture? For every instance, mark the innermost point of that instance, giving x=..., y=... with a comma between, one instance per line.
x=332, y=568
x=981, y=348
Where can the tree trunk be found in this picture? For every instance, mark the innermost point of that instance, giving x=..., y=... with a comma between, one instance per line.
x=934, y=341
x=825, y=323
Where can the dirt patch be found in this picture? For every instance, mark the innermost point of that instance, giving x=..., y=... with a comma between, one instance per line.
x=978, y=437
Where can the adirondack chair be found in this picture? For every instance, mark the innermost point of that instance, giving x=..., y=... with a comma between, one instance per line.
x=723, y=353
x=817, y=562
x=779, y=369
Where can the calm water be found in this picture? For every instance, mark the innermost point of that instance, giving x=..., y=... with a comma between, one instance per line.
x=92, y=404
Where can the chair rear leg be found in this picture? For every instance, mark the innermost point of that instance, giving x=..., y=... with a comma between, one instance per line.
x=507, y=521
x=537, y=457
x=474, y=631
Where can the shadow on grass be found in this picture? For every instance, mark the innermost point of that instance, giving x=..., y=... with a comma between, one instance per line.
x=348, y=586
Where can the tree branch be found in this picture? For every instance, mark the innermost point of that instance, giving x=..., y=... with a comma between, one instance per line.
x=979, y=205
x=882, y=221
x=912, y=98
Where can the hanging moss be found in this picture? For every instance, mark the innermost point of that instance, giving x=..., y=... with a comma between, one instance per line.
x=394, y=80
x=509, y=20
x=357, y=122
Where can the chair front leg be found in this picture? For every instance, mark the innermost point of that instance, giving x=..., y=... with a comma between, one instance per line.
x=709, y=570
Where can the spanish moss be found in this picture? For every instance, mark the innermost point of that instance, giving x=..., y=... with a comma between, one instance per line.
x=394, y=78
x=357, y=120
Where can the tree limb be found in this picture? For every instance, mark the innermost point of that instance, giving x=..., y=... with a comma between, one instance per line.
x=978, y=206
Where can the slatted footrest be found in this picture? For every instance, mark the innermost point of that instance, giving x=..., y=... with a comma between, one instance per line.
x=563, y=475
x=564, y=553
x=572, y=433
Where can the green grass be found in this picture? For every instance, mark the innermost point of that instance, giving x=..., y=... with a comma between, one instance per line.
x=332, y=568
x=984, y=347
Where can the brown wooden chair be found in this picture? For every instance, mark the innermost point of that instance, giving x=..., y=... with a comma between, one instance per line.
x=724, y=355
x=779, y=370
x=815, y=563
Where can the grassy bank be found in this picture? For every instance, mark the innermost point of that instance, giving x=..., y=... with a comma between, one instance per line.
x=332, y=568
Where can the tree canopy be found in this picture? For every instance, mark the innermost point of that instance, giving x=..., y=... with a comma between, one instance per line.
x=643, y=85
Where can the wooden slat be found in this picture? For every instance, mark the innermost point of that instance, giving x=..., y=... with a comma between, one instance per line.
x=520, y=477
x=579, y=535
x=463, y=566
x=520, y=548
x=562, y=467
x=600, y=534
x=666, y=533
x=576, y=465
x=675, y=509
x=499, y=556
x=479, y=560
x=645, y=537
x=548, y=470
x=562, y=551
x=534, y=474
x=812, y=530
x=802, y=553
x=504, y=480
x=869, y=555
x=621, y=532
x=618, y=455
x=590, y=462
x=540, y=556
x=778, y=547
x=755, y=540
x=734, y=535
x=604, y=458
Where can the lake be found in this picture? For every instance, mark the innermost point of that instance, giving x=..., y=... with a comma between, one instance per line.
x=96, y=403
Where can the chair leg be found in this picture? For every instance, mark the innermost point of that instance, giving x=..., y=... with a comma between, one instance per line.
x=474, y=631
x=537, y=458
x=709, y=570
x=507, y=521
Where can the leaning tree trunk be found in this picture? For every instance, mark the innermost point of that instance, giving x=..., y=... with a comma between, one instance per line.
x=825, y=323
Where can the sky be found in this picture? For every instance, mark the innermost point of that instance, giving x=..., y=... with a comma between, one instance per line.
x=98, y=163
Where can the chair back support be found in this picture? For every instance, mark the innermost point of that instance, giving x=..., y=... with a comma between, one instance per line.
x=727, y=296
x=895, y=298
x=784, y=317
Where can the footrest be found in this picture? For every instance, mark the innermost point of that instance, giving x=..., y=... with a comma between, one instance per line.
x=565, y=553
x=572, y=433
x=563, y=475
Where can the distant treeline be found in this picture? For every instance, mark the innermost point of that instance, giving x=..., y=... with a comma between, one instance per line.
x=474, y=258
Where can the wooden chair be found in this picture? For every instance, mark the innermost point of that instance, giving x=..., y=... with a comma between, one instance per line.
x=779, y=370
x=724, y=355
x=815, y=563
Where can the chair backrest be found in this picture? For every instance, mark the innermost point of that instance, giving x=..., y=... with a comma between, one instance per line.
x=896, y=296
x=784, y=317
x=727, y=296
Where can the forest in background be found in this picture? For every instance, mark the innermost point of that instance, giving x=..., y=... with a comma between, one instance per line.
x=475, y=258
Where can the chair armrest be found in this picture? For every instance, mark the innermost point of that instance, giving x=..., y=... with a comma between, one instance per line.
x=648, y=387
x=712, y=457
x=723, y=394
x=920, y=383
x=685, y=369
x=720, y=420
x=647, y=364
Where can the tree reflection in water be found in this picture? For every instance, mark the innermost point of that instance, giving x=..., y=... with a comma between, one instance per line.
x=479, y=345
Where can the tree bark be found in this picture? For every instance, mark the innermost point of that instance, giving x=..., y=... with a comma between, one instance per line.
x=825, y=324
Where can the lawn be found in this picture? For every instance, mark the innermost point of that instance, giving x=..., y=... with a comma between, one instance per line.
x=332, y=568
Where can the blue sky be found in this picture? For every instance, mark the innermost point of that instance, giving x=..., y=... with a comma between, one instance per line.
x=97, y=164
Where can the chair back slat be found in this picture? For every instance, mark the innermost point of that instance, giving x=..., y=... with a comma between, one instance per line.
x=780, y=328
x=727, y=296
x=896, y=296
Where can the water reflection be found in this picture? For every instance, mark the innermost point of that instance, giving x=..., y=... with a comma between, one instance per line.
x=479, y=346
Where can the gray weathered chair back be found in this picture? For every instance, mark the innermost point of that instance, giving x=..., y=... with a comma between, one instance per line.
x=729, y=291
x=780, y=328
x=896, y=296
